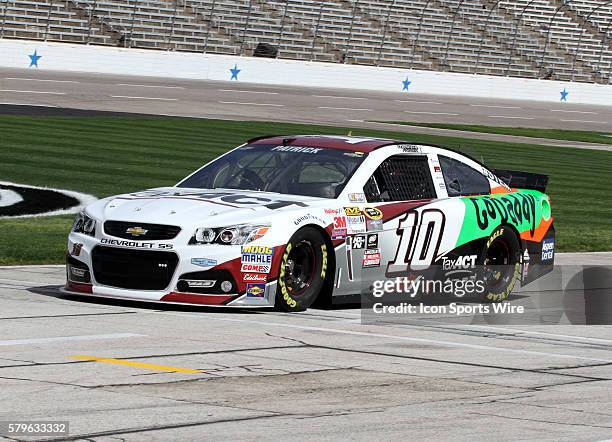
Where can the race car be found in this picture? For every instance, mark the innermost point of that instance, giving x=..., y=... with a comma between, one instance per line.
x=284, y=221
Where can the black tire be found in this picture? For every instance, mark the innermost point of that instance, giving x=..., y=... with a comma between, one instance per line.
x=501, y=264
x=302, y=272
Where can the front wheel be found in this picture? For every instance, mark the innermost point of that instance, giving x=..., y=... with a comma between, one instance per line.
x=302, y=270
x=501, y=265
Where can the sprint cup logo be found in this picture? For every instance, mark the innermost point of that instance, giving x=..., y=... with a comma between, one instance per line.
x=20, y=200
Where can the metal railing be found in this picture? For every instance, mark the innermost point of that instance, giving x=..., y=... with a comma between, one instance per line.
x=390, y=37
x=582, y=33
x=519, y=19
x=482, y=35
x=601, y=49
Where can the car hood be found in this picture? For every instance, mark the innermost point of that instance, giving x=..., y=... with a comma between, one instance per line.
x=180, y=206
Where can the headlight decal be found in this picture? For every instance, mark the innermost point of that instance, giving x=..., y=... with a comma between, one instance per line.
x=229, y=235
x=85, y=224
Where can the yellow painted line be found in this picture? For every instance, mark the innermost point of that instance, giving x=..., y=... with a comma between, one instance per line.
x=135, y=364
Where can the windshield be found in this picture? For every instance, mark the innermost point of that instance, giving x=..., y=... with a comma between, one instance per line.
x=294, y=170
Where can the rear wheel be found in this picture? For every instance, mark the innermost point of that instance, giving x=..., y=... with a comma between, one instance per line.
x=501, y=265
x=302, y=270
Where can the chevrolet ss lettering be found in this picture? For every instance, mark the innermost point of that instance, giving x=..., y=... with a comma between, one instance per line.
x=284, y=221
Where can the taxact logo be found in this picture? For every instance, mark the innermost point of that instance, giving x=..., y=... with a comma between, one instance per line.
x=460, y=263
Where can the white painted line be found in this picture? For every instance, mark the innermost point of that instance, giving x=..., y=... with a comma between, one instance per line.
x=396, y=337
x=339, y=98
x=344, y=108
x=417, y=102
x=150, y=85
x=573, y=111
x=68, y=338
x=20, y=282
x=29, y=104
x=509, y=117
x=495, y=107
x=586, y=121
x=38, y=79
x=355, y=121
x=556, y=335
x=144, y=98
x=248, y=92
x=251, y=104
x=430, y=113
x=34, y=266
x=32, y=92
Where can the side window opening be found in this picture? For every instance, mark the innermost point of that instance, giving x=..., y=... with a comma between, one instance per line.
x=461, y=179
x=400, y=178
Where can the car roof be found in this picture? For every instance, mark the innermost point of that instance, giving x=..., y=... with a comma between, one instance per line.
x=350, y=143
x=354, y=144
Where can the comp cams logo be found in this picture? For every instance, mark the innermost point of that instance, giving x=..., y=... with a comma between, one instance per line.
x=20, y=200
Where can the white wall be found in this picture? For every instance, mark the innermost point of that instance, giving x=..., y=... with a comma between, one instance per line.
x=96, y=59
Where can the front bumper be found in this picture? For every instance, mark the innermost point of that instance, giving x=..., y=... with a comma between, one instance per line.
x=166, y=273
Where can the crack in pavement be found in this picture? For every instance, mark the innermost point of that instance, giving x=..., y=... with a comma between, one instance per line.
x=421, y=358
x=527, y=404
x=543, y=421
x=67, y=315
x=163, y=427
x=519, y=335
x=153, y=356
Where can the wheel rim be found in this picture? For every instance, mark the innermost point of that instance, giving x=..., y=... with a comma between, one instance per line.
x=300, y=268
x=497, y=264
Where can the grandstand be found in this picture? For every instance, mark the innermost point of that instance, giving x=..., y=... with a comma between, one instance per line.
x=550, y=39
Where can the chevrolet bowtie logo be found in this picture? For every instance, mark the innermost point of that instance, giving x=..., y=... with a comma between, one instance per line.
x=136, y=231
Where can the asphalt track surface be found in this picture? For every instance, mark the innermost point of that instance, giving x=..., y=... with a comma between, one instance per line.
x=243, y=101
x=128, y=371
x=132, y=371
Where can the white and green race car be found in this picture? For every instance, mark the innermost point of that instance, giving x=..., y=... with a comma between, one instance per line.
x=286, y=220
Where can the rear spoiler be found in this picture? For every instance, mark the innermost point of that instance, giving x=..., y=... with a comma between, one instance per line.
x=522, y=180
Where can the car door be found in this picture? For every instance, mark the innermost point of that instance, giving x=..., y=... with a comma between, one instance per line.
x=400, y=183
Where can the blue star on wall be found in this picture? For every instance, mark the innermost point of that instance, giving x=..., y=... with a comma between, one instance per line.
x=34, y=59
x=235, y=71
x=564, y=95
x=405, y=84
